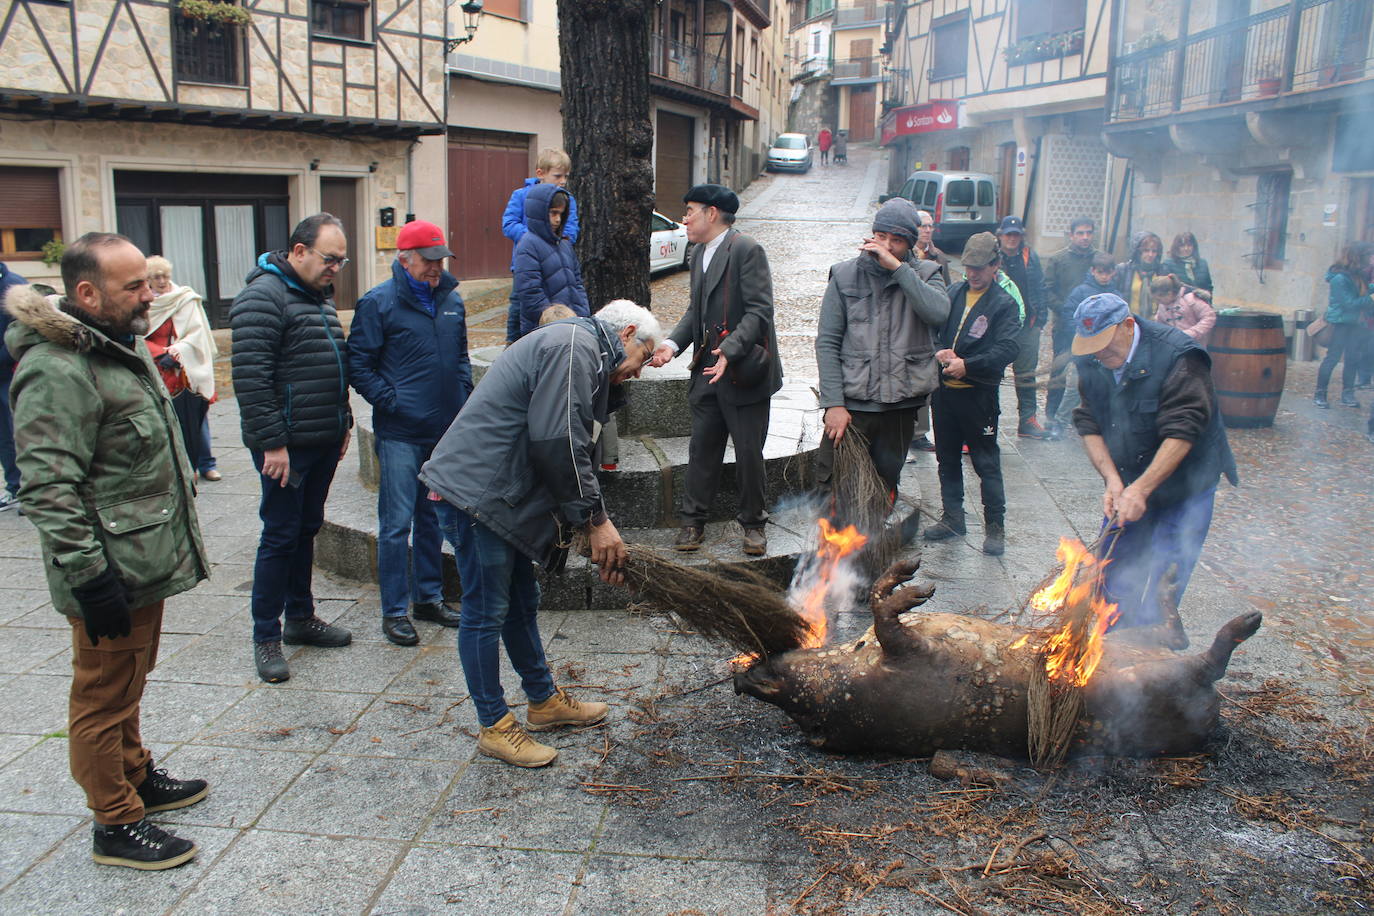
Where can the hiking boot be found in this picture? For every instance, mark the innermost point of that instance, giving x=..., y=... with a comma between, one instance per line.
x=1321, y=401
x=561, y=709
x=947, y=527
x=211, y=475
x=507, y=741
x=161, y=792
x=922, y=444
x=994, y=539
x=400, y=631
x=312, y=631
x=1030, y=428
x=271, y=666
x=1348, y=399
x=689, y=537
x=140, y=845
x=755, y=543
x=436, y=612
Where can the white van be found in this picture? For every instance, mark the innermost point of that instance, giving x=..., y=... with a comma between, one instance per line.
x=963, y=203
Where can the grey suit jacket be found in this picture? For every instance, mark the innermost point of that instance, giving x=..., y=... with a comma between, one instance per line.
x=735, y=297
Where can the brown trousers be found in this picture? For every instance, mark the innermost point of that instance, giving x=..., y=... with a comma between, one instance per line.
x=108, y=758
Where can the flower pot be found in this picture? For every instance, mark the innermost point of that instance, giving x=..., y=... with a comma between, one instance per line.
x=1270, y=85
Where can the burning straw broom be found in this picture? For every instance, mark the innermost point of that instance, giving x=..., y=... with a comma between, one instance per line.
x=726, y=604
x=859, y=497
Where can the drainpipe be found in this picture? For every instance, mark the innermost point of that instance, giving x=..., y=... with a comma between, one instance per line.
x=410, y=180
x=1030, y=182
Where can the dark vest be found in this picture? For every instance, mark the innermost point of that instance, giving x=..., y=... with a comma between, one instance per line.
x=1126, y=416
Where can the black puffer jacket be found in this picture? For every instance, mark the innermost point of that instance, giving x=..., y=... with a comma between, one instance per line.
x=289, y=361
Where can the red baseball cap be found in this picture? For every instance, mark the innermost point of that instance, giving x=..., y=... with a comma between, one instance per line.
x=426, y=238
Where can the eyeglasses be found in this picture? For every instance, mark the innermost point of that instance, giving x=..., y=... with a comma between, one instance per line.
x=332, y=260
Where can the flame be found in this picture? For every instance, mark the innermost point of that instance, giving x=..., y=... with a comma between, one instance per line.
x=835, y=545
x=1073, y=652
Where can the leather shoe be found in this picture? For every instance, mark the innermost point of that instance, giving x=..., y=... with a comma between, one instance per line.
x=755, y=542
x=689, y=537
x=211, y=475
x=436, y=612
x=400, y=630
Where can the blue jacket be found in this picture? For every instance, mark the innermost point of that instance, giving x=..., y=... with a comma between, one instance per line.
x=8, y=278
x=546, y=270
x=513, y=220
x=412, y=369
x=1089, y=287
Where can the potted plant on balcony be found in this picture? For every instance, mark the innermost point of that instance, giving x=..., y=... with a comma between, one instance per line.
x=1269, y=76
x=214, y=13
x=1043, y=47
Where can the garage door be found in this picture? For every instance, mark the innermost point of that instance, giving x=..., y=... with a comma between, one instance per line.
x=484, y=167
x=673, y=162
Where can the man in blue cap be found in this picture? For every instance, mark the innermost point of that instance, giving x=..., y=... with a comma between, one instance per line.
x=1150, y=424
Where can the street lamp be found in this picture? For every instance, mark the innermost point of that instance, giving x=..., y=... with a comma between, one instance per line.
x=472, y=12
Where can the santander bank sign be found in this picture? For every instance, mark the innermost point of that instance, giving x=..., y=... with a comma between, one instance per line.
x=937, y=114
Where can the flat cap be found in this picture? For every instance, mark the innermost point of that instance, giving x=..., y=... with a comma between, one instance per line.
x=713, y=195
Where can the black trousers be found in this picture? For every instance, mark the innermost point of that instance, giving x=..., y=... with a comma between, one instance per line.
x=713, y=421
x=888, y=433
x=190, y=409
x=968, y=416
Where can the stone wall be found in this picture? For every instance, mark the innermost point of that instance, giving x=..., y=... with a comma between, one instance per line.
x=814, y=108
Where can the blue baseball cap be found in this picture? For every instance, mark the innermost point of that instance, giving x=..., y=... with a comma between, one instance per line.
x=1011, y=224
x=1095, y=320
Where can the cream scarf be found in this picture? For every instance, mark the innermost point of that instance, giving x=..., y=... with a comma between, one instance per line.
x=194, y=346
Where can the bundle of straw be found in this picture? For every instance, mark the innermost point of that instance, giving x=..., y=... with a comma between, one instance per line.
x=730, y=605
x=859, y=497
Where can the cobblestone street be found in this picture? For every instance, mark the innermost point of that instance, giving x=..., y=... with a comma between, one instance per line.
x=355, y=787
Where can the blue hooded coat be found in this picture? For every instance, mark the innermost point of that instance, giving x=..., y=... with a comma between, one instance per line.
x=546, y=269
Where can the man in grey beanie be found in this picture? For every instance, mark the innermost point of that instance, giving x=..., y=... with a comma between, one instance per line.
x=875, y=346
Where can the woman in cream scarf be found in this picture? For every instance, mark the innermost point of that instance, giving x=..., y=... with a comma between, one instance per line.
x=181, y=344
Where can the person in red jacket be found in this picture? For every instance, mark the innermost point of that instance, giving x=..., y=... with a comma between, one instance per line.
x=823, y=142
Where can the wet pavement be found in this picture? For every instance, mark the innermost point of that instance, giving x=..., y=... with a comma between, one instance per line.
x=354, y=787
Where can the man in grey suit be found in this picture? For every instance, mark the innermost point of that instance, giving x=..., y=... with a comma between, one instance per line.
x=735, y=365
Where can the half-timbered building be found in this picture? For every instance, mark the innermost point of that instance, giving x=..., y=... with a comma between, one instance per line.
x=204, y=129
x=1013, y=89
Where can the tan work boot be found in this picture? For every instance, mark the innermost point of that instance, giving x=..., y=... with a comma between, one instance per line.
x=507, y=741
x=561, y=709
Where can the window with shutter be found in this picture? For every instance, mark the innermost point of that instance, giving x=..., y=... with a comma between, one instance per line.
x=509, y=9
x=349, y=19
x=30, y=211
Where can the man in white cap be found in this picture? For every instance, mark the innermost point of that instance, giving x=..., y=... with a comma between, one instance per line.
x=1150, y=424
x=408, y=356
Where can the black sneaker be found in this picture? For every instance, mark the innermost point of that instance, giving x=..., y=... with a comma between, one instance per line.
x=271, y=666
x=947, y=527
x=1348, y=399
x=161, y=792
x=436, y=612
x=1321, y=401
x=995, y=539
x=312, y=631
x=140, y=845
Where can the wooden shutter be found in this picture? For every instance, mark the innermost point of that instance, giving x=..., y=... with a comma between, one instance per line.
x=29, y=198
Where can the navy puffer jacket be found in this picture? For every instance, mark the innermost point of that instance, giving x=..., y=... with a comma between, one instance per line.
x=546, y=269
x=290, y=376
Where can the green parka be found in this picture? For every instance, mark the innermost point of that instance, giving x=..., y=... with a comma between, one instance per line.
x=105, y=475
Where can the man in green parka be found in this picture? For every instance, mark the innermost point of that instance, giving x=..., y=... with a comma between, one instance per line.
x=107, y=484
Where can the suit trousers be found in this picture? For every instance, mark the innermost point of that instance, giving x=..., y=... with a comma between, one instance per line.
x=108, y=758
x=712, y=421
x=968, y=416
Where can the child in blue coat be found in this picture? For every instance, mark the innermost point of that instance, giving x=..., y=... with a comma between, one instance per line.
x=553, y=167
x=546, y=269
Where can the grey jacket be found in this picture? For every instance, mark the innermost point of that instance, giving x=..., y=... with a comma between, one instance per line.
x=875, y=346
x=519, y=456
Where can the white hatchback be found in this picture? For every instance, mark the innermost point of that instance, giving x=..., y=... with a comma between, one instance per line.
x=667, y=244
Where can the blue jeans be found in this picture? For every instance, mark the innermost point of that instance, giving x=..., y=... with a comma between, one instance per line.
x=291, y=517
x=405, y=514
x=1145, y=551
x=11, y=468
x=500, y=602
x=206, y=460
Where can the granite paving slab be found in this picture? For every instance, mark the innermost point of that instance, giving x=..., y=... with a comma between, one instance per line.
x=274, y=718
x=448, y=879
x=244, y=782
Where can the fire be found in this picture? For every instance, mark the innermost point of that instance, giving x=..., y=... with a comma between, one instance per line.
x=1073, y=652
x=835, y=545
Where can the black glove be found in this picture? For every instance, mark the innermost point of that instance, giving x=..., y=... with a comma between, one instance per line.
x=104, y=606
x=167, y=361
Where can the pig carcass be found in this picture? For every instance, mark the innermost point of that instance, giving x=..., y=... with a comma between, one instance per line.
x=917, y=683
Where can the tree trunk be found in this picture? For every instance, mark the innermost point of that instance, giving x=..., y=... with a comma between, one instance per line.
x=604, y=54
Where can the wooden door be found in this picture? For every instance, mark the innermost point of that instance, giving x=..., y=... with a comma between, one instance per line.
x=1006, y=179
x=861, y=100
x=673, y=154
x=484, y=168
x=340, y=197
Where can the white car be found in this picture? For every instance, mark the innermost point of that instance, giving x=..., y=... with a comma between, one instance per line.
x=667, y=244
x=791, y=153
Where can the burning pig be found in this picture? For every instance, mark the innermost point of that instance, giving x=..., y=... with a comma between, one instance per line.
x=920, y=683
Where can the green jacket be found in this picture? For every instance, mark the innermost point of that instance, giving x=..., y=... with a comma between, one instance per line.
x=105, y=475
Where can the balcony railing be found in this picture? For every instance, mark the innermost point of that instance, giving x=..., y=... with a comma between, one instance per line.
x=811, y=66
x=681, y=63
x=856, y=68
x=858, y=13
x=1325, y=42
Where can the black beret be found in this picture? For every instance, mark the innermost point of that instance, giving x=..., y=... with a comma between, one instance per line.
x=713, y=195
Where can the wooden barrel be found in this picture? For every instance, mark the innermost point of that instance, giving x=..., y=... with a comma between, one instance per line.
x=1249, y=362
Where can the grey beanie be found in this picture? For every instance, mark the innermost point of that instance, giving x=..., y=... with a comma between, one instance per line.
x=898, y=216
